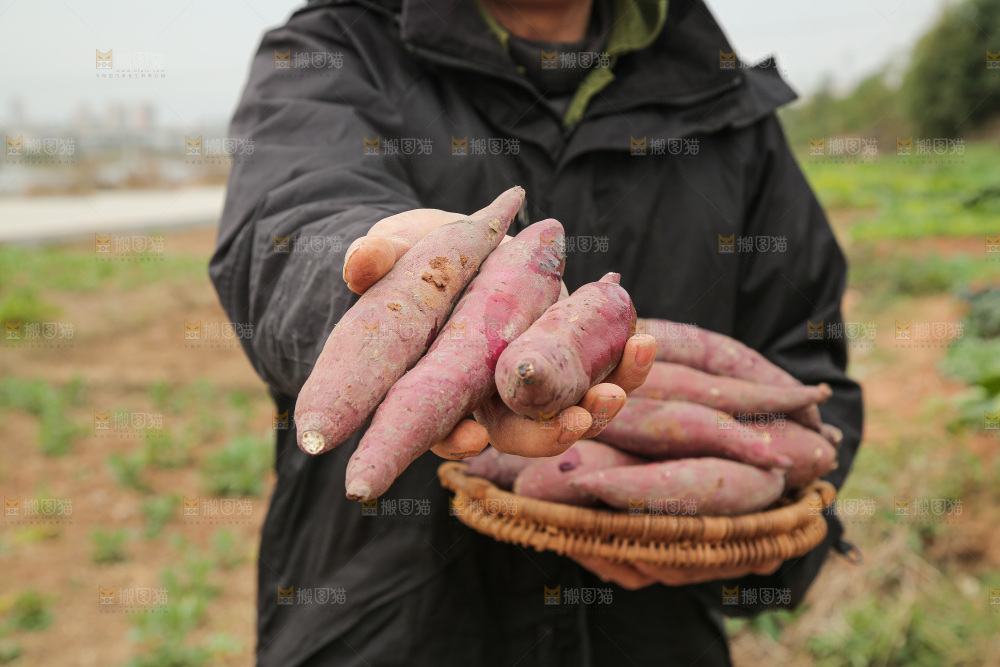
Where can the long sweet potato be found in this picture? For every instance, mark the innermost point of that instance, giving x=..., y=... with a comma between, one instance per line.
x=721, y=355
x=676, y=382
x=811, y=454
x=549, y=478
x=716, y=486
x=515, y=285
x=500, y=468
x=675, y=429
x=569, y=349
x=393, y=323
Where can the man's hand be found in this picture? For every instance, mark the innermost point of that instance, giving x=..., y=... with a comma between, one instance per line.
x=372, y=256
x=639, y=575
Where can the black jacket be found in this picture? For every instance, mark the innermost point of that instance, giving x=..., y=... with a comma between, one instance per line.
x=420, y=588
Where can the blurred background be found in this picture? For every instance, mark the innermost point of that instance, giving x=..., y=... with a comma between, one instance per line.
x=137, y=440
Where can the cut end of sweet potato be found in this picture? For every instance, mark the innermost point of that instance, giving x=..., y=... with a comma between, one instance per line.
x=526, y=372
x=359, y=490
x=312, y=442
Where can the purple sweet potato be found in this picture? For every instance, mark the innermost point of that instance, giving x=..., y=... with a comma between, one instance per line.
x=675, y=429
x=721, y=355
x=677, y=382
x=811, y=454
x=393, y=323
x=497, y=467
x=569, y=349
x=716, y=486
x=515, y=285
x=549, y=478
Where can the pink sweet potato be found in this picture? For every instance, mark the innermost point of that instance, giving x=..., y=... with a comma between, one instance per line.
x=716, y=486
x=549, y=478
x=811, y=454
x=721, y=355
x=676, y=382
x=393, y=323
x=675, y=429
x=514, y=287
x=569, y=349
x=497, y=467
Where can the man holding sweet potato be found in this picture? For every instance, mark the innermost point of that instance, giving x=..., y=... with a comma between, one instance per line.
x=649, y=151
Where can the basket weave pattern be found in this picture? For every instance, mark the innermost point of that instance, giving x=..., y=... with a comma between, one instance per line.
x=789, y=530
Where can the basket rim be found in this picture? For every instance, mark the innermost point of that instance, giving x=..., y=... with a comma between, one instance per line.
x=798, y=511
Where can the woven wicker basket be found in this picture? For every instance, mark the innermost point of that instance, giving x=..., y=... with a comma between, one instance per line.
x=791, y=529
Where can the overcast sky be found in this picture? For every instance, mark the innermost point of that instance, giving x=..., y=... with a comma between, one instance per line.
x=206, y=47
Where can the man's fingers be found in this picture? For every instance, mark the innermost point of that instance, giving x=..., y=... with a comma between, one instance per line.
x=603, y=401
x=512, y=434
x=368, y=259
x=637, y=361
x=624, y=575
x=467, y=439
x=371, y=256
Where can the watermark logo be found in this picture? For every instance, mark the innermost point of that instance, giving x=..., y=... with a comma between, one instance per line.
x=212, y=509
x=814, y=505
x=727, y=244
x=814, y=331
x=995, y=595
x=552, y=595
x=369, y=507
x=460, y=146
x=992, y=243
x=192, y=147
x=192, y=331
x=731, y=596
x=105, y=60
x=371, y=146
x=904, y=147
x=282, y=60
x=992, y=60
x=725, y=422
x=576, y=596
x=105, y=595
x=102, y=420
x=457, y=329
x=903, y=330
x=286, y=595
x=12, y=330
x=727, y=60
x=52, y=510
x=319, y=596
x=38, y=334
x=991, y=420
x=117, y=599
x=370, y=330
x=14, y=146
x=637, y=146
x=636, y=506
x=550, y=60
x=128, y=248
x=817, y=146
x=900, y=506
x=192, y=507
x=466, y=146
x=216, y=335
x=11, y=507
x=279, y=420
x=281, y=243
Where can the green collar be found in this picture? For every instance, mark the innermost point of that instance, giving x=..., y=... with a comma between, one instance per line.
x=635, y=25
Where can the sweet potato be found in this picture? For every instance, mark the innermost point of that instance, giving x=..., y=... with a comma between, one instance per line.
x=811, y=454
x=515, y=285
x=676, y=382
x=721, y=355
x=675, y=429
x=716, y=486
x=393, y=323
x=549, y=478
x=499, y=468
x=569, y=349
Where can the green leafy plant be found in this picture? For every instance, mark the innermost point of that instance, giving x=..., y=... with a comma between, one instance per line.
x=109, y=546
x=240, y=468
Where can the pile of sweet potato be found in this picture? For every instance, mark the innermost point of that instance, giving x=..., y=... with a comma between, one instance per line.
x=459, y=315
x=684, y=436
x=464, y=314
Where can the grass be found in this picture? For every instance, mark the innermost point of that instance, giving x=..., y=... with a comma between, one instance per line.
x=240, y=468
x=109, y=546
x=129, y=470
x=28, y=611
x=50, y=403
x=75, y=269
x=914, y=199
x=162, y=636
x=157, y=512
